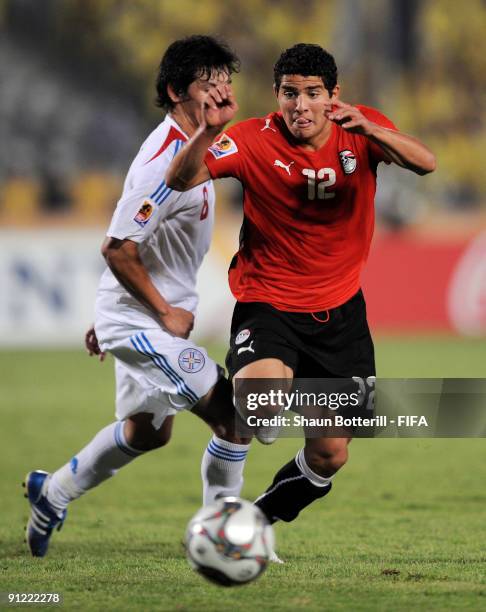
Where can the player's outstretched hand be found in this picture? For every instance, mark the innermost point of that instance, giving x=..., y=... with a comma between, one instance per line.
x=91, y=344
x=219, y=107
x=350, y=118
x=178, y=322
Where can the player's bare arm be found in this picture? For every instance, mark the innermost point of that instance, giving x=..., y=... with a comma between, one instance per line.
x=188, y=168
x=402, y=149
x=124, y=260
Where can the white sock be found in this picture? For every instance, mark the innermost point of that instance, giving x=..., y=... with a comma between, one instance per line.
x=222, y=469
x=315, y=479
x=107, y=452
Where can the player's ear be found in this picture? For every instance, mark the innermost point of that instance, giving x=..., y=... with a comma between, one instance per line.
x=172, y=94
x=275, y=90
x=335, y=92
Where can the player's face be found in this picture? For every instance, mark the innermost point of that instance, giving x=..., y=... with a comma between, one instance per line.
x=304, y=101
x=198, y=91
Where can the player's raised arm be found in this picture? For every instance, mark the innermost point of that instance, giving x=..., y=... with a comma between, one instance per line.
x=188, y=169
x=402, y=149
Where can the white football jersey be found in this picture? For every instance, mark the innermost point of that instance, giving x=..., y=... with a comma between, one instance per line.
x=172, y=228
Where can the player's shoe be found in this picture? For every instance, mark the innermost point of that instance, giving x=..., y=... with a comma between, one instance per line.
x=43, y=518
x=270, y=539
x=274, y=558
x=268, y=434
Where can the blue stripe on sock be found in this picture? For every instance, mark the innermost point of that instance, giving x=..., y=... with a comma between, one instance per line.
x=218, y=444
x=183, y=383
x=119, y=441
x=211, y=452
x=229, y=453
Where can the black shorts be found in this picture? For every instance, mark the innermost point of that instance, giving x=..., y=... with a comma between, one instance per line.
x=328, y=344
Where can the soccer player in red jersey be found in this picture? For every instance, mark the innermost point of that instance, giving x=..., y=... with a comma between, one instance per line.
x=309, y=178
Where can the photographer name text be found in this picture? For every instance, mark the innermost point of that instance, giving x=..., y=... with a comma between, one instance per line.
x=337, y=420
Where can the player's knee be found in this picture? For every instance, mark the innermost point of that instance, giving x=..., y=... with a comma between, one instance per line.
x=337, y=460
x=152, y=441
x=162, y=438
x=327, y=462
x=235, y=438
x=142, y=436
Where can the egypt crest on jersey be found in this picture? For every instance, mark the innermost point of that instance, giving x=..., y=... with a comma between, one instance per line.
x=348, y=161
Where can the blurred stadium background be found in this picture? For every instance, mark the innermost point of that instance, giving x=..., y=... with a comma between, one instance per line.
x=76, y=101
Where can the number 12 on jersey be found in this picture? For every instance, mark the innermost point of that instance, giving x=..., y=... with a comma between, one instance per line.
x=326, y=178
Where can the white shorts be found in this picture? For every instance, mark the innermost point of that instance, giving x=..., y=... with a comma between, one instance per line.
x=155, y=371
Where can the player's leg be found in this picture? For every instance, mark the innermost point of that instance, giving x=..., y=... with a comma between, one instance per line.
x=144, y=422
x=337, y=346
x=260, y=359
x=304, y=479
x=115, y=446
x=199, y=386
x=224, y=458
x=141, y=435
x=265, y=368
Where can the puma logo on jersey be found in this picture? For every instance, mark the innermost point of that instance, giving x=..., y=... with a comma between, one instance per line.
x=280, y=164
x=242, y=349
x=267, y=126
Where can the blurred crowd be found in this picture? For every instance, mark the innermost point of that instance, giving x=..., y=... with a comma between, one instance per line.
x=77, y=90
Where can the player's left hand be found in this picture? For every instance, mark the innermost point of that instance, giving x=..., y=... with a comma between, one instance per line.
x=91, y=344
x=349, y=118
x=178, y=321
x=219, y=107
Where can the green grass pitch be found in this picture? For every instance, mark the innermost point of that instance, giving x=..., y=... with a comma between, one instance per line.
x=402, y=530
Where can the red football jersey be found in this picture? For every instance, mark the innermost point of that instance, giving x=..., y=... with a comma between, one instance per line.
x=308, y=215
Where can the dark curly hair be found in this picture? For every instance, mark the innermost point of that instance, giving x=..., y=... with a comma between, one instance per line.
x=307, y=60
x=188, y=59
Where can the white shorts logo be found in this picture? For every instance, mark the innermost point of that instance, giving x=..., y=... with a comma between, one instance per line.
x=191, y=360
x=242, y=336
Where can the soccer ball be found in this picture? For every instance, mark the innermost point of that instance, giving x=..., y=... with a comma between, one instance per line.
x=229, y=542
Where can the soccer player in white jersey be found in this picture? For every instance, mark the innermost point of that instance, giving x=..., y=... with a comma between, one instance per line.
x=145, y=308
